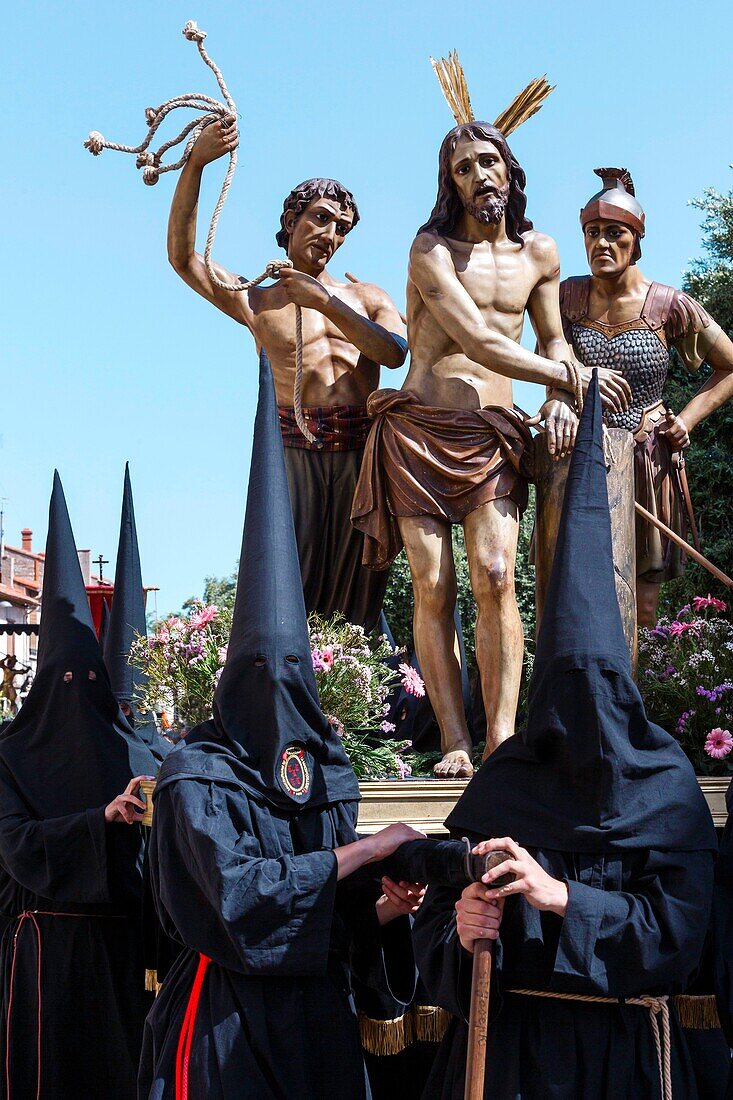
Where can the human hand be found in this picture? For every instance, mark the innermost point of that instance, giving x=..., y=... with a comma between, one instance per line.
x=539, y=889
x=615, y=391
x=399, y=899
x=478, y=916
x=303, y=290
x=675, y=432
x=561, y=426
x=214, y=141
x=126, y=808
x=388, y=840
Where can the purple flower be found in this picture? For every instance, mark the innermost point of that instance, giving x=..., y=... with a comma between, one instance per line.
x=403, y=768
x=387, y=727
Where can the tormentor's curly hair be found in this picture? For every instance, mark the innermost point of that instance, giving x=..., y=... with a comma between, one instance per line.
x=448, y=206
x=305, y=193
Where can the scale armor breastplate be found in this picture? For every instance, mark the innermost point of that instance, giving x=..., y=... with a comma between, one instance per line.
x=639, y=354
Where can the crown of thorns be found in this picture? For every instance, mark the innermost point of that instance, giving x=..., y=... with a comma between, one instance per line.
x=452, y=80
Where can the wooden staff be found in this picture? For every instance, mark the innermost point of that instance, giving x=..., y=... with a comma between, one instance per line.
x=684, y=545
x=478, y=1021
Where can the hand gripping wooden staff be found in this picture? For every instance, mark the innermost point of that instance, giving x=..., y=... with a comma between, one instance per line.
x=478, y=1021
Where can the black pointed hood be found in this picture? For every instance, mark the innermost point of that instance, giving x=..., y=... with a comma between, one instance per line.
x=69, y=749
x=126, y=622
x=266, y=709
x=589, y=772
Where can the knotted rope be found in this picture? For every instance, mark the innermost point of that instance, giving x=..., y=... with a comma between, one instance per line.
x=576, y=382
x=151, y=164
x=656, y=1006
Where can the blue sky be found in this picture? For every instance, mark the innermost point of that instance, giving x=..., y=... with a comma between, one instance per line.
x=107, y=356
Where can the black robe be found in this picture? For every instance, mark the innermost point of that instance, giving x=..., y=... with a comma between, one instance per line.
x=254, y=888
x=78, y=944
x=635, y=923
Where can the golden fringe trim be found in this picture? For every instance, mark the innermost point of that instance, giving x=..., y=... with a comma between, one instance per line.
x=385, y=1036
x=420, y=1024
x=697, y=1013
x=430, y=1023
x=152, y=985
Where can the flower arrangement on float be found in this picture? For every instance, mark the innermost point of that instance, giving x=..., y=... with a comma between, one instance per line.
x=184, y=655
x=685, y=675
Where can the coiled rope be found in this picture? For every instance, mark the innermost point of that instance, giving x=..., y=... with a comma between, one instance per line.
x=151, y=164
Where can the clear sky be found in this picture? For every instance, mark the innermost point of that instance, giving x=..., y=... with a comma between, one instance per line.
x=107, y=356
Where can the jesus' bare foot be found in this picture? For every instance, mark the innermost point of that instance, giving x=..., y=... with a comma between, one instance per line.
x=455, y=764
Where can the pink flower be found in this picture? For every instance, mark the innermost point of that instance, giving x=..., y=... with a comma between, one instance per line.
x=718, y=743
x=677, y=629
x=322, y=659
x=403, y=768
x=412, y=681
x=387, y=727
x=701, y=602
x=201, y=616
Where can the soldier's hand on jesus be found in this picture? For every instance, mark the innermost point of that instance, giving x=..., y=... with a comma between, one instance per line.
x=126, y=808
x=399, y=899
x=675, y=432
x=535, y=885
x=303, y=289
x=614, y=389
x=478, y=917
x=216, y=140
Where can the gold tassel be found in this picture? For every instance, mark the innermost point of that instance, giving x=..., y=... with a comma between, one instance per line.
x=385, y=1036
x=524, y=105
x=697, y=1013
x=152, y=985
x=454, y=87
x=429, y=1023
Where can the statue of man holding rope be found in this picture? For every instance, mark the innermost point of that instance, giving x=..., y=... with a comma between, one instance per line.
x=349, y=330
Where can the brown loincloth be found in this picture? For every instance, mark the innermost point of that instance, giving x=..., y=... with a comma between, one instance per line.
x=424, y=461
x=657, y=488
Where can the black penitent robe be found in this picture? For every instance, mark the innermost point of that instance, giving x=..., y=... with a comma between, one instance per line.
x=254, y=888
x=79, y=944
x=635, y=924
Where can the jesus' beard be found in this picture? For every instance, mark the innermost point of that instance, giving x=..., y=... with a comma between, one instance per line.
x=491, y=210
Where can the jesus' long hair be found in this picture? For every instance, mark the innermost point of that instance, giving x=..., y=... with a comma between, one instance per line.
x=448, y=206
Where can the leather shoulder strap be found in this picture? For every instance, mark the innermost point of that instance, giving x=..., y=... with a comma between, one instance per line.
x=574, y=297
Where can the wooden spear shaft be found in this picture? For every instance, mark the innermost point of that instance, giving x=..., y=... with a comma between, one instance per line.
x=684, y=545
x=478, y=1025
x=478, y=1021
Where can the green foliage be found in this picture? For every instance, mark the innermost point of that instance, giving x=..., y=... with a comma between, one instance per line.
x=398, y=601
x=217, y=590
x=709, y=459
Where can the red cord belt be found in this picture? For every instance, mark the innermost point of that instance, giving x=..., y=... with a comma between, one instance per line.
x=29, y=916
x=183, y=1053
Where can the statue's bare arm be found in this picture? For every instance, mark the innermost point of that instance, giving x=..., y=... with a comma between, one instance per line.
x=380, y=336
x=213, y=143
x=385, y=335
x=717, y=389
x=543, y=306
